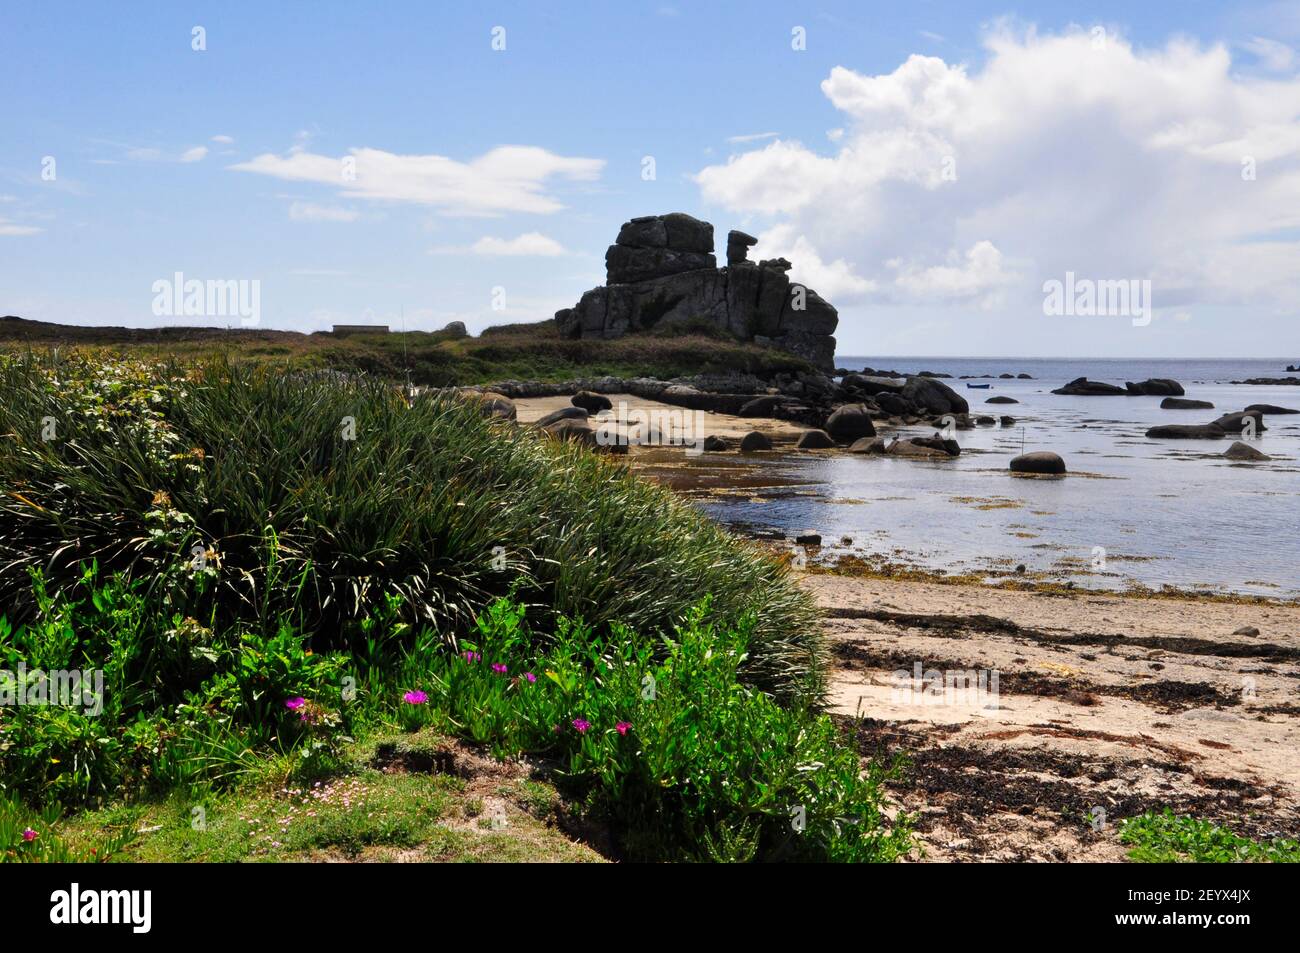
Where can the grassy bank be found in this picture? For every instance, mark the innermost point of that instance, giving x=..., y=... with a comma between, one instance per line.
x=271, y=572
x=438, y=359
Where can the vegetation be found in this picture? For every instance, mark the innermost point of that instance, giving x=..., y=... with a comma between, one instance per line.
x=1168, y=838
x=436, y=359
x=273, y=574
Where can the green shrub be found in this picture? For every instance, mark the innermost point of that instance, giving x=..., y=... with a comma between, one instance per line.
x=684, y=761
x=234, y=496
x=1168, y=838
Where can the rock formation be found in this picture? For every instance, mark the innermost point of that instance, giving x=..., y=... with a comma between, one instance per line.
x=661, y=270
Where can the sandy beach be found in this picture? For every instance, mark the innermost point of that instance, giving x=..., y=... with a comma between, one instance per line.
x=1107, y=706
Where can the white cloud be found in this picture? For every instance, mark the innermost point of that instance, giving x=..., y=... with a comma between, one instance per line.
x=1272, y=55
x=311, y=212
x=194, y=155
x=530, y=243
x=224, y=140
x=13, y=229
x=1054, y=155
x=506, y=179
x=753, y=137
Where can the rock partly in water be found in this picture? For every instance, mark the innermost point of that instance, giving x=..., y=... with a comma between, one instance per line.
x=1007, y=421
x=868, y=445
x=754, y=440
x=1184, y=403
x=1271, y=409
x=1039, y=461
x=1082, y=387
x=1244, y=451
x=1236, y=423
x=809, y=539
x=1155, y=387
x=1001, y=399
x=1187, y=432
x=815, y=440
x=716, y=444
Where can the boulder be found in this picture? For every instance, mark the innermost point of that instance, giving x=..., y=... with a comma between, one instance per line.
x=763, y=406
x=1236, y=423
x=849, y=423
x=984, y=420
x=1082, y=387
x=1002, y=399
x=809, y=539
x=1007, y=421
x=1155, y=387
x=564, y=413
x=1270, y=409
x=910, y=448
x=936, y=442
x=1187, y=432
x=1183, y=403
x=868, y=445
x=716, y=444
x=570, y=428
x=624, y=265
x=893, y=404
x=493, y=404
x=455, y=329
x=1039, y=461
x=754, y=440
x=590, y=402
x=1244, y=451
x=815, y=440
x=935, y=397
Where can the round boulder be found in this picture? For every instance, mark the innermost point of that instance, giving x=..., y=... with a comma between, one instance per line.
x=1039, y=461
x=849, y=423
x=715, y=444
x=564, y=413
x=590, y=402
x=1002, y=399
x=754, y=440
x=815, y=440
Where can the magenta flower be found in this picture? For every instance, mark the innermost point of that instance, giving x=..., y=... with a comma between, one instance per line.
x=498, y=668
x=623, y=726
x=416, y=697
x=529, y=677
x=293, y=704
x=582, y=725
x=29, y=834
x=472, y=656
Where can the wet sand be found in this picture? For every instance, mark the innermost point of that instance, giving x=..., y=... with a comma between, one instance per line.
x=1107, y=706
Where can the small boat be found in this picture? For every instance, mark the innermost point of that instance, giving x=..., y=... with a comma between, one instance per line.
x=978, y=386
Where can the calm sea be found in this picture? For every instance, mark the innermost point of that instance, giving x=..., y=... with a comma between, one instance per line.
x=1159, y=512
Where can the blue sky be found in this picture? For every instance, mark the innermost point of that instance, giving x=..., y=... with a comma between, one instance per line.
x=219, y=163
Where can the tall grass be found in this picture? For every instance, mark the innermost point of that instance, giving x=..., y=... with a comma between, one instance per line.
x=238, y=495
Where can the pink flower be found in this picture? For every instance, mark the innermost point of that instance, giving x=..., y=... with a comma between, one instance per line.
x=293, y=704
x=498, y=668
x=416, y=697
x=29, y=834
x=582, y=725
x=623, y=726
x=529, y=677
x=472, y=656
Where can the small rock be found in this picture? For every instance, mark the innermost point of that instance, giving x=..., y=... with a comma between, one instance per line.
x=715, y=444
x=1244, y=451
x=1040, y=461
x=1248, y=630
x=809, y=539
x=815, y=440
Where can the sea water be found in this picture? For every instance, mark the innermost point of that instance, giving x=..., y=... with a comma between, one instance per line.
x=1133, y=510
